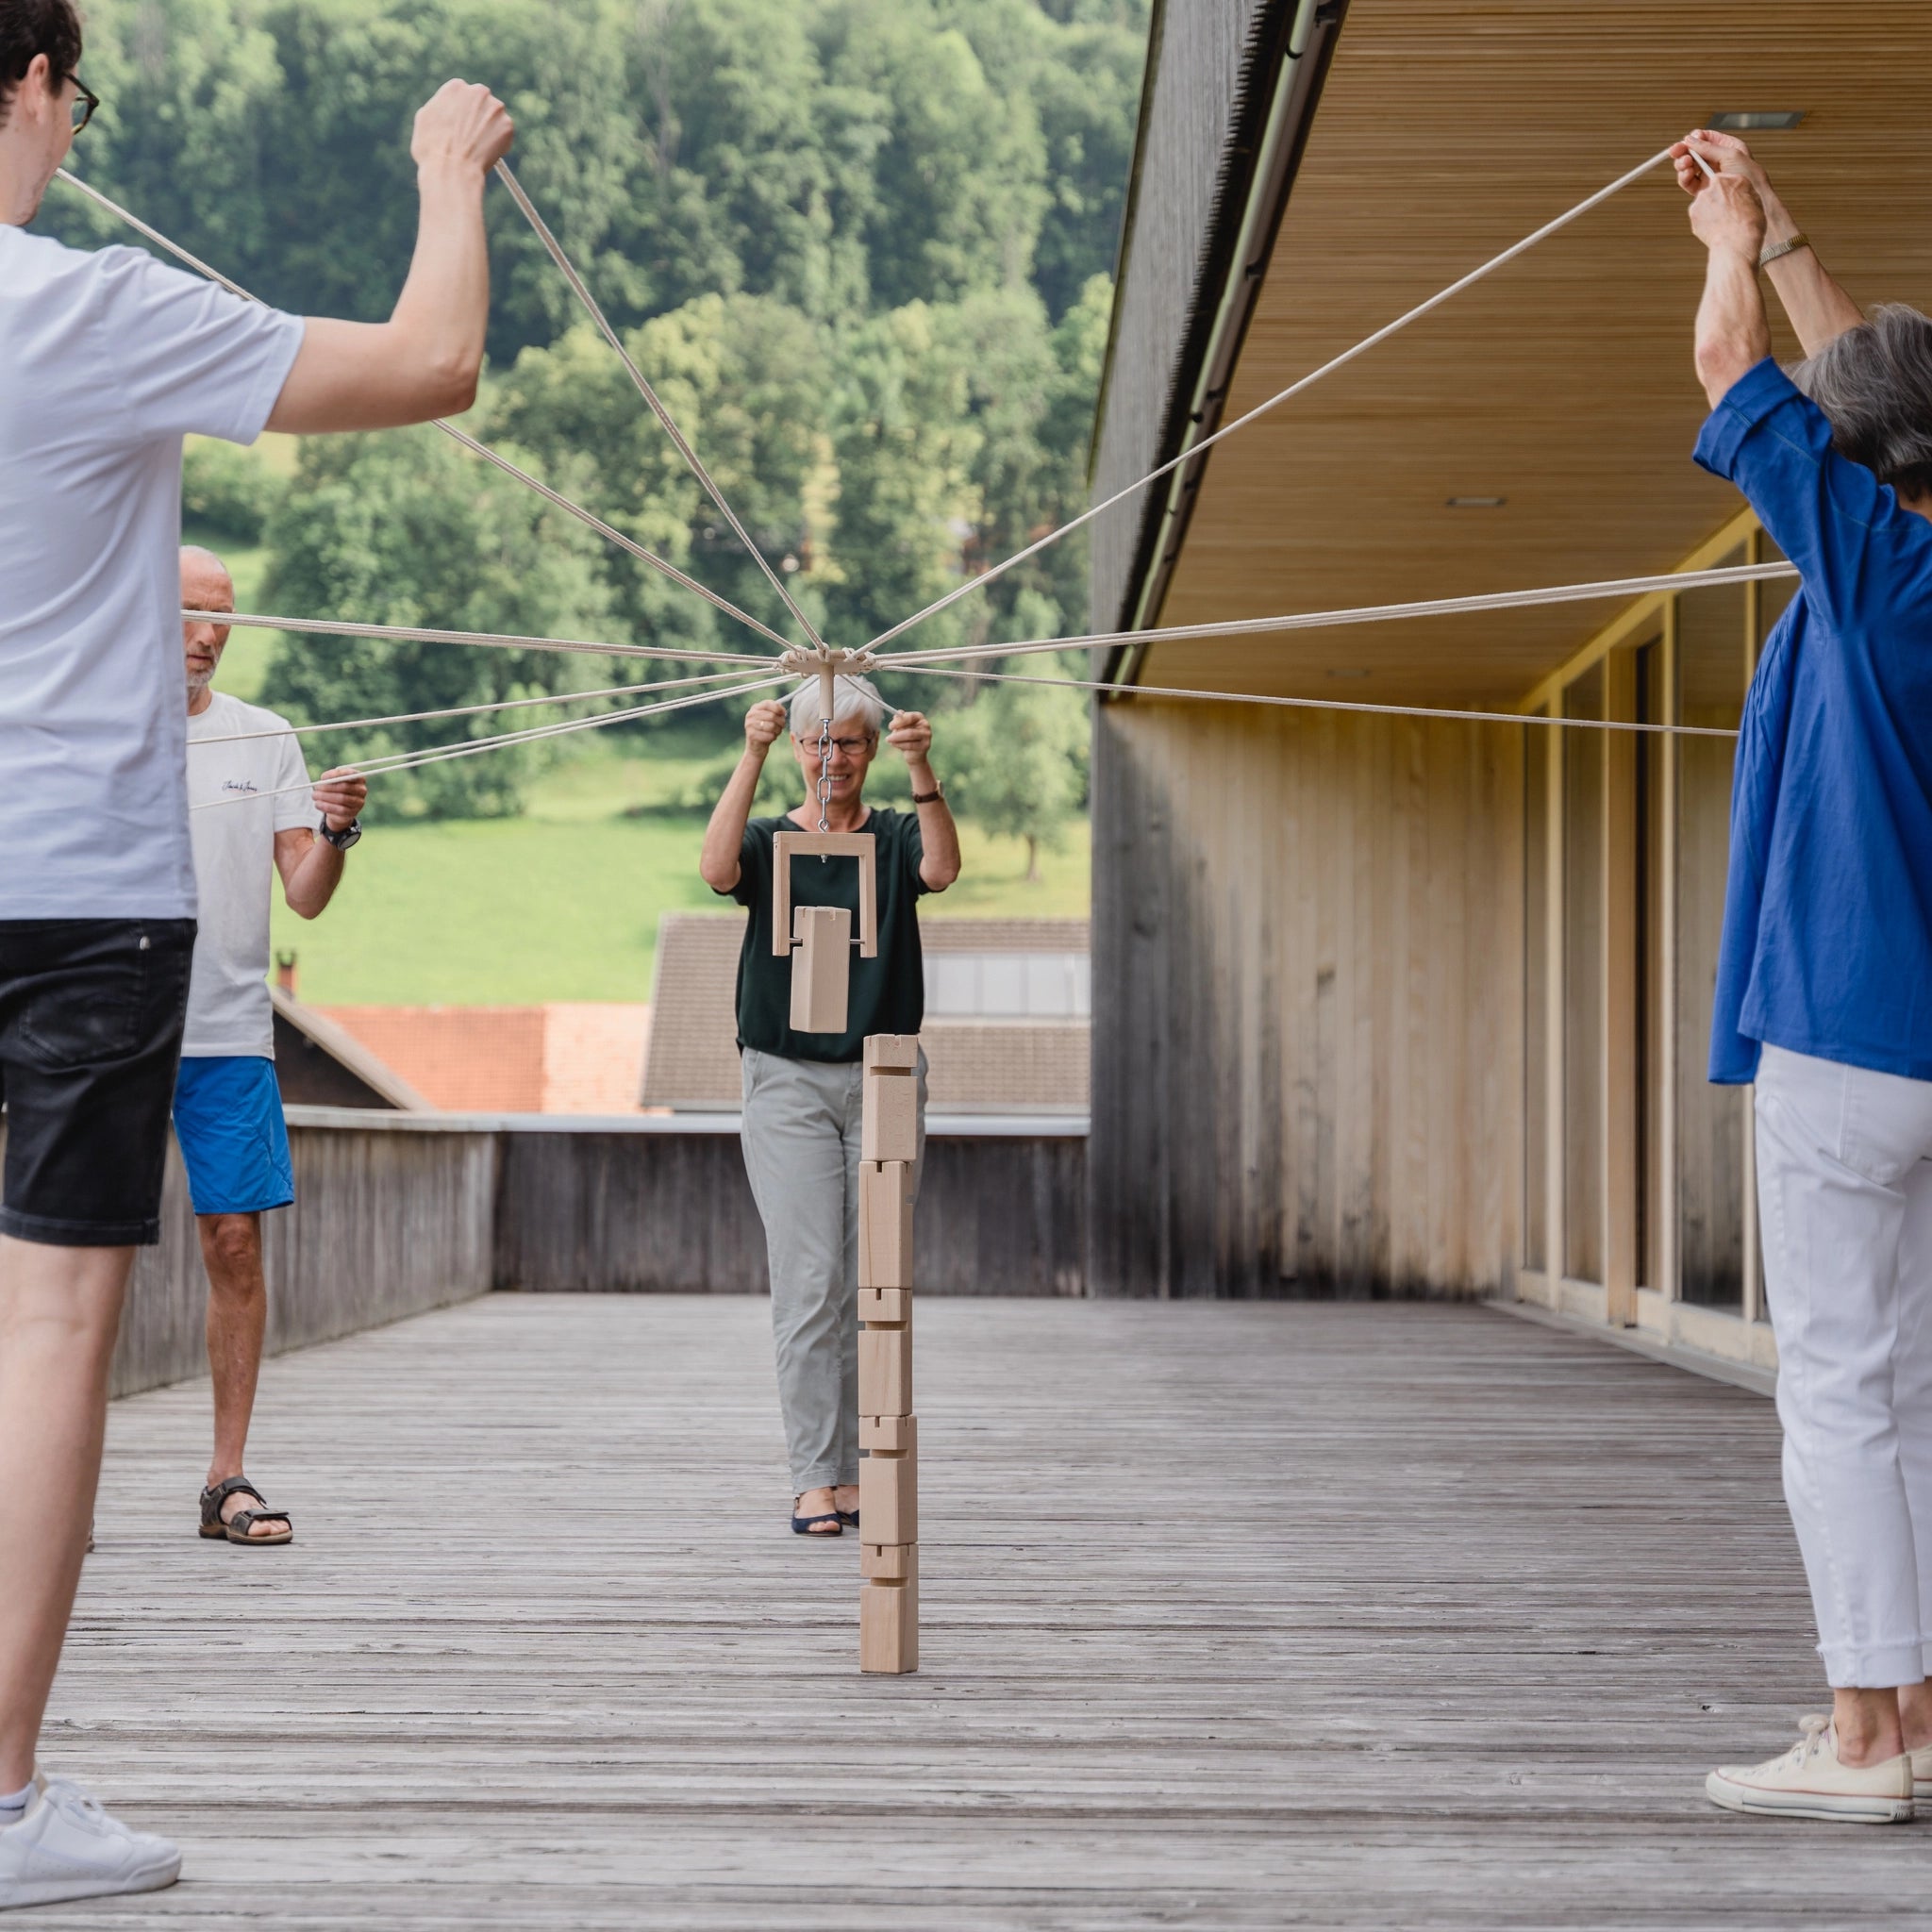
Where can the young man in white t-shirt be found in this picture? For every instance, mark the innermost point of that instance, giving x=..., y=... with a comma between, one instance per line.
x=254, y=814
x=107, y=361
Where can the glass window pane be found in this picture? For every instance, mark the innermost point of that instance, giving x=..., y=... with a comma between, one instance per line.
x=1536, y=956
x=1710, y=1120
x=1583, y=982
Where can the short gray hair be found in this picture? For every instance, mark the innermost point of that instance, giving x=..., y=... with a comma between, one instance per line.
x=856, y=699
x=1874, y=385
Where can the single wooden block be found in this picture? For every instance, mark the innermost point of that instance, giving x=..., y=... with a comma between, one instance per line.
x=821, y=969
x=889, y=1562
x=885, y=1225
x=885, y=1371
x=889, y=1125
x=889, y=1627
x=888, y=1435
x=885, y=1305
x=889, y=1497
x=896, y=1052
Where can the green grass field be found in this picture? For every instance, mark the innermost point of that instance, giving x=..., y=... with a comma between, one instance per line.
x=563, y=904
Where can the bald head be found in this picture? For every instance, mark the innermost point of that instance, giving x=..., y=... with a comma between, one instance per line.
x=205, y=585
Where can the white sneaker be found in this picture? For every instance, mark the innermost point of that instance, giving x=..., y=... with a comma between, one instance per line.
x=1809, y=1782
x=68, y=1847
x=1921, y=1772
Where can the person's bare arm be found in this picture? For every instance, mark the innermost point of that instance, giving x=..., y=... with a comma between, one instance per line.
x=718, y=863
x=425, y=360
x=311, y=868
x=939, y=837
x=1733, y=333
x=1819, y=310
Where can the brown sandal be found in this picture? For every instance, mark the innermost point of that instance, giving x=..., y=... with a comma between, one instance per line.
x=235, y=1528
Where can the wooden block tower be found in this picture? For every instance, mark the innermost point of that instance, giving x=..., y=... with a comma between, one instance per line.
x=887, y=1430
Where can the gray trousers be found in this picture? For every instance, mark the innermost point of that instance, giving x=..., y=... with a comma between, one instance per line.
x=800, y=1134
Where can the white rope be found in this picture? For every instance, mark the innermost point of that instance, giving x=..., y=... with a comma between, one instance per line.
x=581, y=289
x=1364, y=613
x=564, y=697
x=411, y=634
x=1328, y=368
x=490, y=456
x=1235, y=697
x=407, y=761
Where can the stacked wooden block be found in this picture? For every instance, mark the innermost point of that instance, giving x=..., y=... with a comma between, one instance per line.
x=887, y=1430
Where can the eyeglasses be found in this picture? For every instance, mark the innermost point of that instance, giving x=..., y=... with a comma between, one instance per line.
x=87, y=103
x=850, y=746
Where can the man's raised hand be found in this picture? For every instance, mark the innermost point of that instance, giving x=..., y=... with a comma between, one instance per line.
x=462, y=123
x=340, y=796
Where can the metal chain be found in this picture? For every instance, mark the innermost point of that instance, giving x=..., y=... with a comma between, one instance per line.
x=824, y=773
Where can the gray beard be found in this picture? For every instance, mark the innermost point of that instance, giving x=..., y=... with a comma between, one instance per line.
x=200, y=680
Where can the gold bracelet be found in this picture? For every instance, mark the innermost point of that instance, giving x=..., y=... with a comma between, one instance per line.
x=1778, y=250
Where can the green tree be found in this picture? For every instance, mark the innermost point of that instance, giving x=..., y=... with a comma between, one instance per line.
x=1017, y=761
x=407, y=529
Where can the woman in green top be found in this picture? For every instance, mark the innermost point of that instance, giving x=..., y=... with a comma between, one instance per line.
x=802, y=1090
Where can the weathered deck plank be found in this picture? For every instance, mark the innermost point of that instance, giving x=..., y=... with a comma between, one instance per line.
x=1234, y=1616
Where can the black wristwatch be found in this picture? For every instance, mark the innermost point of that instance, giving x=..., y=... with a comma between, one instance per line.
x=341, y=841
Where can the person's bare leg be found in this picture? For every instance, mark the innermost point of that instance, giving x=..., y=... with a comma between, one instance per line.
x=237, y=1321
x=59, y=1313
x=1915, y=1715
x=1867, y=1723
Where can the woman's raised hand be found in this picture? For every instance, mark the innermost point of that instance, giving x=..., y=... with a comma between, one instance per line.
x=1727, y=215
x=763, y=724
x=1724, y=152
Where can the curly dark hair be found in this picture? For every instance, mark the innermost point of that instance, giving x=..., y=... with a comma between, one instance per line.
x=28, y=27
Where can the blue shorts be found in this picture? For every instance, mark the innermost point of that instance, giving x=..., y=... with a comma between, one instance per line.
x=234, y=1141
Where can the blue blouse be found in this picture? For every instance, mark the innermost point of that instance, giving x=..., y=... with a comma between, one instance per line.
x=1827, y=934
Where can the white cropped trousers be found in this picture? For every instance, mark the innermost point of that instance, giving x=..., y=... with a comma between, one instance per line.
x=1844, y=1189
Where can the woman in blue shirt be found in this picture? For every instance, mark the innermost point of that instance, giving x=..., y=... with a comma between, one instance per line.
x=1824, y=973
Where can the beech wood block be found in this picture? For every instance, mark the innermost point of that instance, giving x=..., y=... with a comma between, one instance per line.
x=889, y=1627
x=821, y=969
x=885, y=1225
x=897, y=1052
x=890, y=1124
x=889, y=1497
x=889, y=1562
x=888, y=1435
x=885, y=1371
x=885, y=1305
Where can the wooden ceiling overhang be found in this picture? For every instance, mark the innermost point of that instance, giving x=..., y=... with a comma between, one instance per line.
x=1563, y=384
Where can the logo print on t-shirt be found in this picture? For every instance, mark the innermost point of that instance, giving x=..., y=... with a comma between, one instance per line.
x=243, y=785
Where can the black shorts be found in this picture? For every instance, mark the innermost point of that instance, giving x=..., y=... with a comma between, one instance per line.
x=91, y=1019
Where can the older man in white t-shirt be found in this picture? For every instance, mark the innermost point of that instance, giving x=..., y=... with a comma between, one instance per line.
x=254, y=814
x=107, y=361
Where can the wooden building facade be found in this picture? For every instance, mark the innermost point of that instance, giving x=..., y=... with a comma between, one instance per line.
x=1397, y=1005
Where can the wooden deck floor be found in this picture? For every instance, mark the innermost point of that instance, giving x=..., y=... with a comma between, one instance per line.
x=1235, y=1616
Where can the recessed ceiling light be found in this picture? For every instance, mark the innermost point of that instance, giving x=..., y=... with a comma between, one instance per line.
x=1757, y=119
x=1349, y=671
x=1477, y=502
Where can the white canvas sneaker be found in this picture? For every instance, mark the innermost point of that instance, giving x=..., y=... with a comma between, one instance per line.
x=1809, y=1782
x=67, y=1847
x=1921, y=1772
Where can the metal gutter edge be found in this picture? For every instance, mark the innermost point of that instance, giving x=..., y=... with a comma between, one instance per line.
x=1130, y=210
x=1304, y=57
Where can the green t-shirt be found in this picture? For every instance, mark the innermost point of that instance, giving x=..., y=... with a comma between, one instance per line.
x=887, y=993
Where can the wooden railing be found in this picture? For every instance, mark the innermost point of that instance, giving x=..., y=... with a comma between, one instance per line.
x=398, y=1214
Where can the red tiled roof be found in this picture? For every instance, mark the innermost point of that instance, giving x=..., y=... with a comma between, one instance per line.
x=566, y=1057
